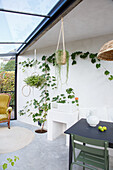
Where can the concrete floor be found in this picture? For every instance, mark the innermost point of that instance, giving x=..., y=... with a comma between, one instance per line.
x=41, y=154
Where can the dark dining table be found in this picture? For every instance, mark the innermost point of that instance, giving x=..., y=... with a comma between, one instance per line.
x=82, y=128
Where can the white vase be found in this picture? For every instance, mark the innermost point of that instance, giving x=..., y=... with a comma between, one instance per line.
x=92, y=120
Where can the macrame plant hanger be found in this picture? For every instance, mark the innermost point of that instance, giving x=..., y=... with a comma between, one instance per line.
x=29, y=88
x=34, y=73
x=61, y=59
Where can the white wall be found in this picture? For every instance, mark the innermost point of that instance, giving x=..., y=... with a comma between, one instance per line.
x=90, y=84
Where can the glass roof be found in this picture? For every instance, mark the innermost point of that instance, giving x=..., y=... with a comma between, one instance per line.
x=16, y=27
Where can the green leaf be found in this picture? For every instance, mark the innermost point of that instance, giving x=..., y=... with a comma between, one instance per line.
x=43, y=70
x=43, y=58
x=9, y=159
x=93, y=60
x=41, y=121
x=78, y=52
x=16, y=157
x=51, y=58
x=49, y=107
x=40, y=67
x=92, y=55
x=54, y=84
x=74, y=62
x=4, y=166
x=48, y=99
x=85, y=55
x=98, y=66
x=53, y=77
x=111, y=77
x=106, y=72
x=71, y=96
x=12, y=163
x=40, y=111
x=69, y=91
x=47, y=67
x=73, y=55
x=62, y=101
x=62, y=94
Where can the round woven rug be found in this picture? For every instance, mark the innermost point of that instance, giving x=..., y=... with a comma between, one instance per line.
x=14, y=139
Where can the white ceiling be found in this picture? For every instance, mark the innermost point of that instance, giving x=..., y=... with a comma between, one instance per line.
x=91, y=18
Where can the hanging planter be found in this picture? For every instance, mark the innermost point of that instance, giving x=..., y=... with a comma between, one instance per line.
x=35, y=81
x=62, y=56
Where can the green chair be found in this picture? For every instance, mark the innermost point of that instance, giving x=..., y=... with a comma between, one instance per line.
x=90, y=156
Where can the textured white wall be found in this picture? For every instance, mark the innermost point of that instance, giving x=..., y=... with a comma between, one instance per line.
x=90, y=84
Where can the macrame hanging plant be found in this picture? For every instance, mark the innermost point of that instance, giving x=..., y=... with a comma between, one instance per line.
x=62, y=56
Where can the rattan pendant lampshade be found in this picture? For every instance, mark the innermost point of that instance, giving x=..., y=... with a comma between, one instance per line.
x=106, y=51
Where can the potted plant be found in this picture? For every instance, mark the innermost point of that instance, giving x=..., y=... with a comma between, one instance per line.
x=35, y=80
x=62, y=58
x=41, y=106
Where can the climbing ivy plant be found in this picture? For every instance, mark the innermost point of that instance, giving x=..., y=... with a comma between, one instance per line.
x=40, y=107
x=28, y=64
x=93, y=58
x=65, y=98
x=43, y=104
x=74, y=55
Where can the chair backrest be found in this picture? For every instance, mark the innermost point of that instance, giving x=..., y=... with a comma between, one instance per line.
x=88, y=145
x=4, y=102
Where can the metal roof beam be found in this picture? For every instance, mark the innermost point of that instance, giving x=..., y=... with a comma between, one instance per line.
x=7, y=54
x=12, y=43
x=61, y=9
x=24, y=13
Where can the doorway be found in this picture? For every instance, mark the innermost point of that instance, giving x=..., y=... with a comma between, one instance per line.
x=7, y=79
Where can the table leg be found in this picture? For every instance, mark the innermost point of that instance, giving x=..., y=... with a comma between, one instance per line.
x=70, y=153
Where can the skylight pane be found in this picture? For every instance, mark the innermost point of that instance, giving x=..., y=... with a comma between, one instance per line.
x=15, y=27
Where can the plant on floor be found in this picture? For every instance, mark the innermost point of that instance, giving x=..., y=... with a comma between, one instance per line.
x=42, y=105
x=10, y=161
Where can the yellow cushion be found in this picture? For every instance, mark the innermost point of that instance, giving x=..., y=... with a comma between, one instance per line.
x=3, y=116
x=4, y=100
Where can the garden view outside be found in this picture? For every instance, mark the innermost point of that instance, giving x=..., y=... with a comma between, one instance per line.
x=7, y=79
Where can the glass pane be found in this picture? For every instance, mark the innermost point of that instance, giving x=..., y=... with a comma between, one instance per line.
x=17, y=27
x=8, y=48
x=7, y=79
